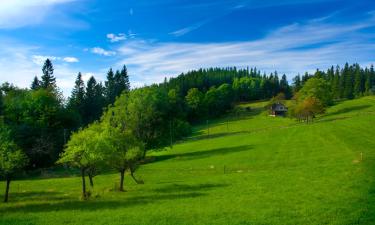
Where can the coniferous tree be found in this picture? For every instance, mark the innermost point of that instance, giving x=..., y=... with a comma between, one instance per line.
x=297, y=84
x=110, y=87
x=125, y=78
x=35, y=85
x=76, y=100
x=335, y=85
x=48, y=80
x=367, y=82
x=357, y=82
x=93, y=101
x=348, y=79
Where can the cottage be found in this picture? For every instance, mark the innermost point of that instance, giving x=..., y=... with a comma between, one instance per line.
x=278, y=109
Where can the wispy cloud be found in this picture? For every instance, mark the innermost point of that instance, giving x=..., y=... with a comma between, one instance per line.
x=188, y=29
x=290, y=49
x=40, y=59
x=116, y=37
x=101, y=51
x=19, y=13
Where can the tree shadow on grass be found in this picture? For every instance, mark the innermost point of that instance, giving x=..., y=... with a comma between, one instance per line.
x=186, y=188
x=97, y=204
x=348, y=109
x=38, y=195
x=217, y=135
x=203, y=154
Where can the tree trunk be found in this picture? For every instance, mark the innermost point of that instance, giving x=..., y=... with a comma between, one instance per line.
x=7, y=189
x=91, y=180
x=84, y=194
x=122, y=173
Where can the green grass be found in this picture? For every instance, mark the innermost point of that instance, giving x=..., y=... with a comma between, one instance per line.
x=250, y=169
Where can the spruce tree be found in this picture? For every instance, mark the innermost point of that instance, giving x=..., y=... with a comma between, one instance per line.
x=297, y=83
x=357, y=82
x=367, y=82
x=78, y=94
x=125, y=78
x=110, y=86
x=35, y=85
x=348, y=79
x=335, y=86
x=48, y=80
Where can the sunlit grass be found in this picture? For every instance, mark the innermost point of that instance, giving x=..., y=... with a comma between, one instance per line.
x=247, y=168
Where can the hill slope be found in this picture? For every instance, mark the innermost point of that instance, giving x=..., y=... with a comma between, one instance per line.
x=247, y=169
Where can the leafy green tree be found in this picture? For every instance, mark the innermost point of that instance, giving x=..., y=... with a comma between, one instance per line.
x=194, y=102
x=37, y=120
x=308, y=108
x=125, y=151
x=12, y=159
x=48, y=80
x=85, y=150
x=317, y=88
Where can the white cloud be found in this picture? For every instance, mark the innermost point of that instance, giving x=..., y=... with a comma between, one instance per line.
x=101, y=51
x=19, y=13
x=291, y=49
x=40, y=59
x=70, y=59
x=116, y=38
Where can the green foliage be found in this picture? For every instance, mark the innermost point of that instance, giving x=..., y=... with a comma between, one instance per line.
x=12, y=158
x=317, y=88
x=86, y=147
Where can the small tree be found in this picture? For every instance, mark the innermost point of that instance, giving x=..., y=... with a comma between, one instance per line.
x=85, y=151
x=307, y=109
x=125, y=152
x=12, y=159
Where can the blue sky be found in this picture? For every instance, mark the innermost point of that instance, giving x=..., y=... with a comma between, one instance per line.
x=162, y=38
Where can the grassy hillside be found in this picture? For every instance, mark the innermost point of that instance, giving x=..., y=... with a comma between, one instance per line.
x=248, y=168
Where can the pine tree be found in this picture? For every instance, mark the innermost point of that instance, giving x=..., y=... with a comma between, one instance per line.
x=110, y=86
x=125, y=78
x=367, y=82
x=297, y=83
x=358, y=82
x=93, y=101
x=35, y=85
x=48, y=80
x=78, y=94
x=335, y=86
x=348, y=79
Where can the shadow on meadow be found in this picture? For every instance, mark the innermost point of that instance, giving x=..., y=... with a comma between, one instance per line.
x=216, y=135
x=348, y=109
x=167, y=193
x=38, y=196
x=186, y=188
x=202, y=154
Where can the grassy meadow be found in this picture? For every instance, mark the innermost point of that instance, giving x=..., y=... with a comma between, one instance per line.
x=247, y=168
